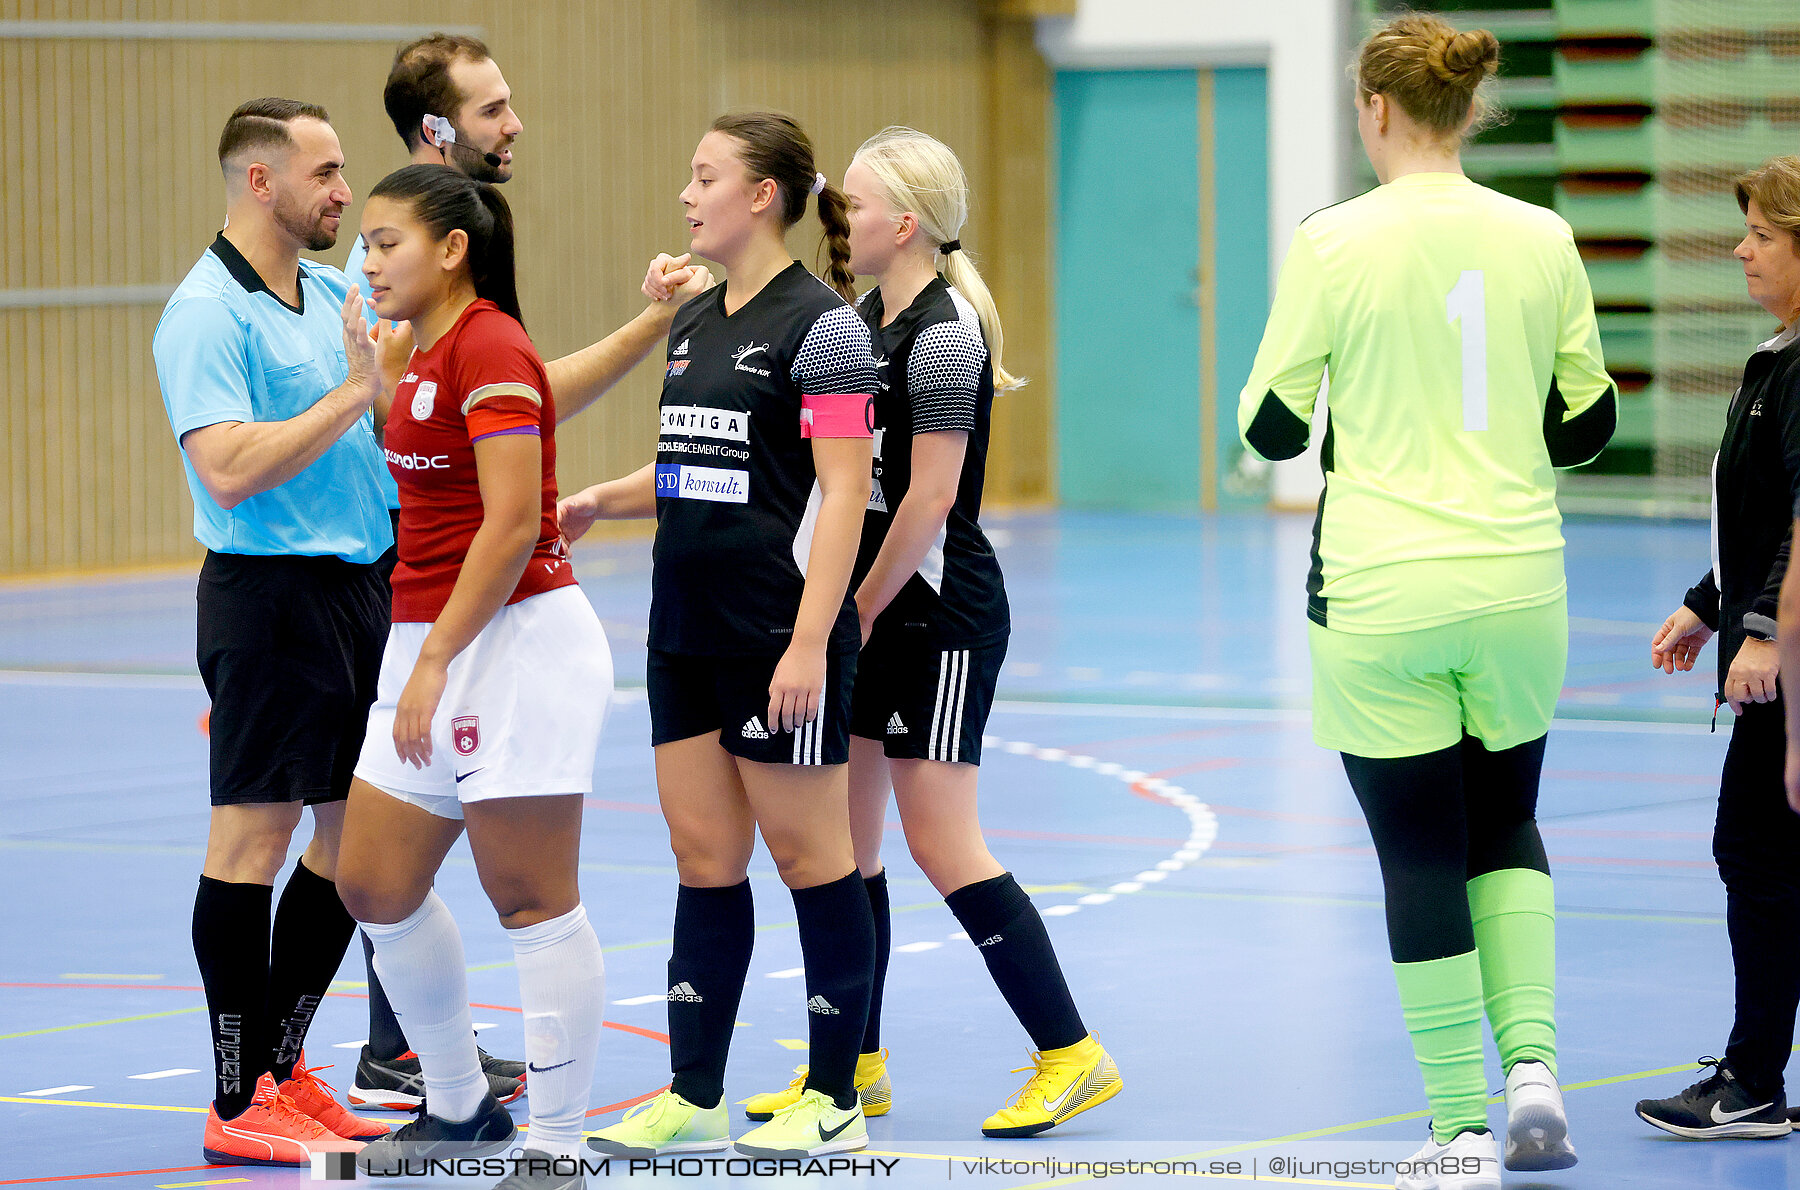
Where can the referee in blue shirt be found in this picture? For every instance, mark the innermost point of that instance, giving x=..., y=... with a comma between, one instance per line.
x=269, y=376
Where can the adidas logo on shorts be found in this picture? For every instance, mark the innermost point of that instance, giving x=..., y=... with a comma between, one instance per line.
x=821, y=1005
x=681, y=350
x=895, y=727
x=685, y=992
x=754, y=730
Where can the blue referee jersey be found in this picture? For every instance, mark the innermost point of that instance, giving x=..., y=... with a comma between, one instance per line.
x=227, y=349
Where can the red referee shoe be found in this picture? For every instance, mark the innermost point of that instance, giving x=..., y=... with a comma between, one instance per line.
x=318, y=1099
x=271, y=1131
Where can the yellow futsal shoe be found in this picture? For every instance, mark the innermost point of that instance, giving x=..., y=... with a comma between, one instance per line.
x=666, y=1124
x=1068, y=1081
x=872, y=1087
x=811, y=1126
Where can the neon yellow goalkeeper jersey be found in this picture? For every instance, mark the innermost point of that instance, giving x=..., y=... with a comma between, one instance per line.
x=1457, y=327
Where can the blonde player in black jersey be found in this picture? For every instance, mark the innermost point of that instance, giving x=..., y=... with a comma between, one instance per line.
x=761, y=475
x=934, y=618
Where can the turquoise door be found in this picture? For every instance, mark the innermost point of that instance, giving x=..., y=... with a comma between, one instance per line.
x=1128, y=331
x=1148, y=333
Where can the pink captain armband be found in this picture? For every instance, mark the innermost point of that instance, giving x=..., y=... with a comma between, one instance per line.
x=837, y=415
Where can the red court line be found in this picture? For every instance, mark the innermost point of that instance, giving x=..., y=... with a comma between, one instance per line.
x=159, y=987
x=1581, y=832
x=1287, y=850
x=1192, y=733
x=1605, y=775
x=1060, y=837
x=632, y=1102
x=1284, y=816
x=122, y=1173
x=652, y=1034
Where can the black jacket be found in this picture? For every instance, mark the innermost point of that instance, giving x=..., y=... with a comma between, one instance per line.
x=1756, y=482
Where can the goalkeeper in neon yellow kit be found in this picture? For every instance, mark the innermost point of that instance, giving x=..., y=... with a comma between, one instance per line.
x=1457, y=327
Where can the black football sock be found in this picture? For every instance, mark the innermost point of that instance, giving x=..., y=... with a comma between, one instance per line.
x=884, y=939
x=1004, y=925
x=231, y=944
x=837, y=944
x=311, y=933
x=386, y=1039
x=715, y=930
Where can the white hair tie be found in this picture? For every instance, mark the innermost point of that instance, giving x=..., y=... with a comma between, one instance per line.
x=818, y=186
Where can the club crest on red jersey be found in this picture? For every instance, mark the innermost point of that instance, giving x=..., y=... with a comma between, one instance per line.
x=423, y=398
x=465, y=731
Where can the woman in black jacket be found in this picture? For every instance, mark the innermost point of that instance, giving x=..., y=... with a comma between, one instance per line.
x=1756, y=841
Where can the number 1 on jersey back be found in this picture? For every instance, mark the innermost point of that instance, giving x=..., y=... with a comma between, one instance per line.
x=1467, y=304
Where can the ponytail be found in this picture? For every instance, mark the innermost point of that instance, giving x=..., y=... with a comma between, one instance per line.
x=834, y=216
x=443, y=200
x=495, y=271
x=774, y=146
x=960, y=272
x=919, y=173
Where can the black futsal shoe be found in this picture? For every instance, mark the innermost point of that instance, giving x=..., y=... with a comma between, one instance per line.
x=1718, y=1108
x=427, y=1138
x=500, y=1068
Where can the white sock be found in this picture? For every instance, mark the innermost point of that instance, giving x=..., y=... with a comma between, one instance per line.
x=420, y=962
x=562, y=989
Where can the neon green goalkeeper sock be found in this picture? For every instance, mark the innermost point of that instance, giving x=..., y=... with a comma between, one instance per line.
x=1442, y=1002
x=1514, y=912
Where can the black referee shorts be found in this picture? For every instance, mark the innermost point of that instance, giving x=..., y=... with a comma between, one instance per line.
x=289, y=648
x=923, y=702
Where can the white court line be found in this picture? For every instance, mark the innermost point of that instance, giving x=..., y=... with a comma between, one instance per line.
x=350, y=1045
x=55, y=677
x=1127, y=710
x=72, y=1087
x=478, y=1026
x=162, y=1074
x=1203, y=824
x=634, y=1001
x=786, y=973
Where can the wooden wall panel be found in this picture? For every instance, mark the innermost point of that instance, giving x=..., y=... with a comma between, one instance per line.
x=110, y=180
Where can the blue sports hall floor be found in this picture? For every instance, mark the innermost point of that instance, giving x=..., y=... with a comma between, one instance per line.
x=1150, y=778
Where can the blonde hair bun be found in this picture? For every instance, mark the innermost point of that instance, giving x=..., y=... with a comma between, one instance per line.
x=1464, y=58
x=1438, y=75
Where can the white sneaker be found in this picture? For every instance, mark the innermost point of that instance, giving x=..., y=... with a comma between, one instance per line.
x=1471, y=1161
x=1537, y=1128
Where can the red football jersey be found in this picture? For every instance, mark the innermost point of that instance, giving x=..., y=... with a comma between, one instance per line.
x=481, y=379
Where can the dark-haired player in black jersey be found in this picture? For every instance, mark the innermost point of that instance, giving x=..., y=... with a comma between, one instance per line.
x=761, y=475
x=934, y=617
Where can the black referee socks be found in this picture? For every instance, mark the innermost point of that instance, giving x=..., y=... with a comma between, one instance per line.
x=715, y=929
x=884, y=939
x=837, y=944
x=312, y=930
x=231, y=944
x=1004, y=925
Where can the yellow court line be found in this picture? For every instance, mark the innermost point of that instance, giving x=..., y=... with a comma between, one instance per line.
x=84, y=1103
x=117, y=1020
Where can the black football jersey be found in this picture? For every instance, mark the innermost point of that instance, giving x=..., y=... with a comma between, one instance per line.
x=736, y=493
x=934, y=373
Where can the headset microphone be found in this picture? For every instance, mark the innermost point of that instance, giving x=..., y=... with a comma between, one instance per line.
x=446, y=135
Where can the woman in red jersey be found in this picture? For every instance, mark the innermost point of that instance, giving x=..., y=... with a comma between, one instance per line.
x=493, y=688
